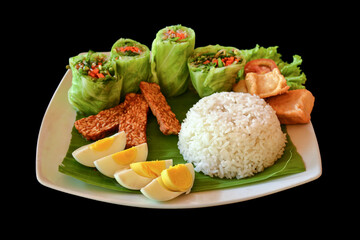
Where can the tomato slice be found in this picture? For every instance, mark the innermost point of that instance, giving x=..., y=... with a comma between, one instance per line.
x=260, y=66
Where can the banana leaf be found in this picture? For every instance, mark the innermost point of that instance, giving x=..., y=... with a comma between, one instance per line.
x=165, y=147
x=132, y=67
x=169, y=59
x=89, y=95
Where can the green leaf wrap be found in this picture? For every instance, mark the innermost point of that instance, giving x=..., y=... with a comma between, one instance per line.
x=131, y=69
x=169, y=61
x=89, y=95
x=215, y=79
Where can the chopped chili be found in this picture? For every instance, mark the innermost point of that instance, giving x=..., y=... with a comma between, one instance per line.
x=97, y=67
x=129, y=50
x=177, y=35
x=220, y=59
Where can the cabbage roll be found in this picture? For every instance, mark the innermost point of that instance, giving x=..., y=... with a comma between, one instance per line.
x=214, y=68
x=132, y=63
x=170, y=51
x=95, y=85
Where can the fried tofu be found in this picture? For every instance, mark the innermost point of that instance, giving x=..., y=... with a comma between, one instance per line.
x=240, y=86
x=134, y=119
x=293, y=107
x=266, y=85
x=160, y=108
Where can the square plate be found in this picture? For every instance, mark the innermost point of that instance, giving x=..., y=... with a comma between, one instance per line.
x=54, y=138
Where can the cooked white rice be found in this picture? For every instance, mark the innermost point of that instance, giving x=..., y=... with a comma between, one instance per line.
x=231, y=135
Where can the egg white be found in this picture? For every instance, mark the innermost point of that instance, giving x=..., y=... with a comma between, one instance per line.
x=128, y=178
x=155, y=191
x=86, y=156
x=108, y=166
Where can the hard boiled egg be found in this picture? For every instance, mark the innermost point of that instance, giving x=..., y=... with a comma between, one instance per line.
x=141, y=173
x=121, y=160
x=87, y=154
x=173, y=182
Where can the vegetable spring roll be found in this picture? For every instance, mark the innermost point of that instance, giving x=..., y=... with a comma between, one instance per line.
x=95, y=85
x=214, y=68
x=170, y=51
x=132, y=63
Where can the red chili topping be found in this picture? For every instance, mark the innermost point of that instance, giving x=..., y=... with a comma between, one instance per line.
x=129, y=48
x=172, y=34
x=95, y=71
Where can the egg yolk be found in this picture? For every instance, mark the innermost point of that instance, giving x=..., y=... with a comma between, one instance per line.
x=102, y=145
x=160, y=181
x=177, y=178
x=150, y=169
x=125, y=157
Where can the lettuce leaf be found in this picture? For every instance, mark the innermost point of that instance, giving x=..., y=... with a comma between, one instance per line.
x=291, y=71
x=261, y=52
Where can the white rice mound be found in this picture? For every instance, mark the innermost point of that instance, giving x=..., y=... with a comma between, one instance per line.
x=231, y=134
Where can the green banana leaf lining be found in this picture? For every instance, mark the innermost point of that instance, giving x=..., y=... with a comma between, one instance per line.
x=165, y=147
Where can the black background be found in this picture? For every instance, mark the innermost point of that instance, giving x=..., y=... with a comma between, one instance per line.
x=301, y=209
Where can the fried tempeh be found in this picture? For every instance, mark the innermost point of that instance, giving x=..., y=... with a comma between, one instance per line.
x=100, y=125
x=160, y=108
x=134, y=119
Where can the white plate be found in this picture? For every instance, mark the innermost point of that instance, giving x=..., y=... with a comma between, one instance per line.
x=54, y=138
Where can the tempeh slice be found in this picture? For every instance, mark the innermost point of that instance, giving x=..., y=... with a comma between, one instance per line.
x=167, y=120
x=134, y=119
x=100, y=125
